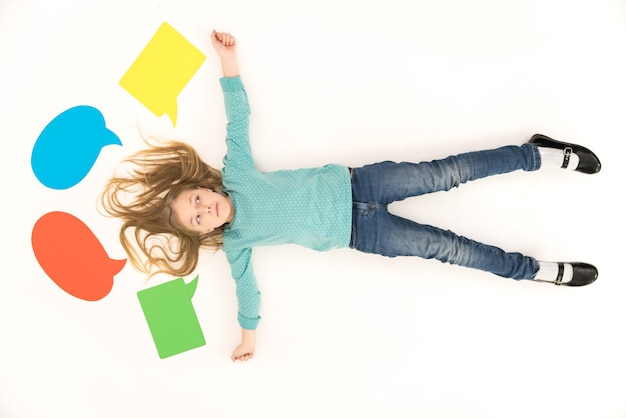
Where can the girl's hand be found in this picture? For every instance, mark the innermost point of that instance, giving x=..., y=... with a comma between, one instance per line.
x=224, y=44
x=245, y=350
x=242, y=353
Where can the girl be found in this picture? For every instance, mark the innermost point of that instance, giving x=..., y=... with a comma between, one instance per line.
x=176, y=196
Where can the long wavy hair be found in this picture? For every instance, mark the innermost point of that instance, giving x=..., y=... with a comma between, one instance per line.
x=142, y=198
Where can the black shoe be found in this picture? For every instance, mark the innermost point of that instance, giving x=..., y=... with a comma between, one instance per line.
x=589, y=162
x=584, y=274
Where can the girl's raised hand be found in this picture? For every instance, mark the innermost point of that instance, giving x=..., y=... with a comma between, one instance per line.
x=223, y=42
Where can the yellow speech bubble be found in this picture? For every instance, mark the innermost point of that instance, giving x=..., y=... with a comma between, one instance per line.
x=162, y=70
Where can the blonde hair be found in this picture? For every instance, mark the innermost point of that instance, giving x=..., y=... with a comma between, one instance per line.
x=142, y=198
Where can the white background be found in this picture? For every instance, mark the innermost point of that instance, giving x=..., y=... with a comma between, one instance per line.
x=343, y=334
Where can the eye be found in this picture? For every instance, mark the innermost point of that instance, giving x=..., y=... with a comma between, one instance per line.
x=198, y=219
x=197, y=199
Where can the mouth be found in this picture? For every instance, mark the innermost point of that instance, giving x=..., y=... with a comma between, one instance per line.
x=217, y=210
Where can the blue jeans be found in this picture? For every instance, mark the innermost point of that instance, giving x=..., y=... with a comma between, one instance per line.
x=375, y=230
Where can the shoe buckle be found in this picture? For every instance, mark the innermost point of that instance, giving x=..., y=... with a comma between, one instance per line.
x=559, y=276
x=567, y=153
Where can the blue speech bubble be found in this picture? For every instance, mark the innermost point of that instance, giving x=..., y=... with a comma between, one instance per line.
x=69, y=145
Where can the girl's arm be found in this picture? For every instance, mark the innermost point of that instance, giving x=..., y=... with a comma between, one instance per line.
x=224, y=44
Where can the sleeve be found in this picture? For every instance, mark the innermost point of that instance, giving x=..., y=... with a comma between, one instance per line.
x=238, y=153
x=248, y=295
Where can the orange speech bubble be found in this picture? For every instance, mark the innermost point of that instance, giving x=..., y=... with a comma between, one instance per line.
x=72, y=256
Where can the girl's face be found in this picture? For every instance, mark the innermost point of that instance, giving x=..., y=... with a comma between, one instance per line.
x=202, y=210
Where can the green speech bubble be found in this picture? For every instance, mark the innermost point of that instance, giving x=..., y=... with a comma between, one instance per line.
x=171, y=316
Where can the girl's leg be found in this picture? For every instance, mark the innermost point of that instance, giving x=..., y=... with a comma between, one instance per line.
x=377, y=231
x=388, y=181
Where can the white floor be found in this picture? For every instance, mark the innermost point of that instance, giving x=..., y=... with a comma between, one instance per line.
x=343, y=334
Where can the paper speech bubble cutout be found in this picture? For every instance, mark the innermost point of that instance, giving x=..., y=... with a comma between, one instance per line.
x=162, y=70
x=171, y=317
x=69, y=145
x=72, y=256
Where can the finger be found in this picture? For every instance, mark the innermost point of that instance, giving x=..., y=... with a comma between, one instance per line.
x=228, y=39
x=245, y=357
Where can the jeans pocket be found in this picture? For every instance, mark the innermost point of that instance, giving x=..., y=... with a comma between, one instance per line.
x=360, y=212
x=363, y=210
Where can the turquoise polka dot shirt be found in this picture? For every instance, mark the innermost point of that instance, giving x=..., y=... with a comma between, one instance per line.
x=309, y=207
